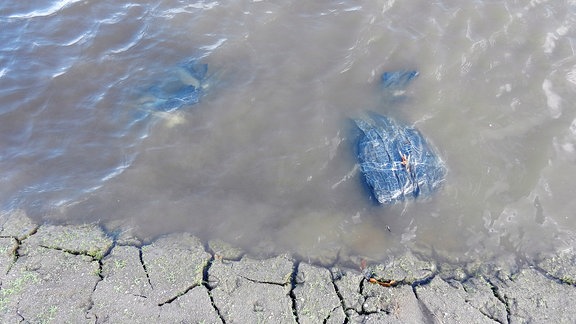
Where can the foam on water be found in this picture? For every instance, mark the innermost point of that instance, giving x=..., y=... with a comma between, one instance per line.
x=266, y=159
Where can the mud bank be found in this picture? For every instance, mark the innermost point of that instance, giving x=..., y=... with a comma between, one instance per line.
x=78, y=274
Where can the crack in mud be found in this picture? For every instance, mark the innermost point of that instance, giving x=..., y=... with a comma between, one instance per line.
x=502, y=298
x=467, y=301
x=205, y=280
x=170, y=300
x=22, y=319
x=549, y=276
x=330, y=314
x=144, y=267
x=100, y=267
x=72, y=252
x=19, y=241
x=339, y=294
x=23, y=237
x=99, y=271
x=265, y=282
x=427, y=314
x=79, y=253
x=15, y=254
x=292, y=287
x=91, y=300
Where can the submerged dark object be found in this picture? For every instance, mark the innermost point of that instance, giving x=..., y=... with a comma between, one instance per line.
x=396, y=160
x=184, y=86
x=397, y=79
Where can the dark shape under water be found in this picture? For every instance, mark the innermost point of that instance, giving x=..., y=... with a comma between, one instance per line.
x=397, y=79
x=183, y=87
x=67, y=176
x=395, y=159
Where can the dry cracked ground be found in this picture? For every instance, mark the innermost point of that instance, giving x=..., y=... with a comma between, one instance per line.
x=78, y=274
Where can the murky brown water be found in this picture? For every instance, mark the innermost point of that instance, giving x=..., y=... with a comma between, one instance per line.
x=266, y=159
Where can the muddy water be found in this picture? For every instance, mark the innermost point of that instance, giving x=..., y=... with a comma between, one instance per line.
x=266, y=159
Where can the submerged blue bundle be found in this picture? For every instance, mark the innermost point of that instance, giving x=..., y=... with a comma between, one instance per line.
x=395, y=159
x=397, y=79
x=183, y=87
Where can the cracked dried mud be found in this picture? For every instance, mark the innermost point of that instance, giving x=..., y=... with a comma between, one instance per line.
x=79, y=274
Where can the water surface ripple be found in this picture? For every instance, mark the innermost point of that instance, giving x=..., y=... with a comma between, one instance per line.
x=266, y=159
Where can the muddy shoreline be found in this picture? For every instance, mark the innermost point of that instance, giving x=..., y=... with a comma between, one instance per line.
x=56, y=274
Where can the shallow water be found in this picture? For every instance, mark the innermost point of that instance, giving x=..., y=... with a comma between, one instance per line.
x=266, y=159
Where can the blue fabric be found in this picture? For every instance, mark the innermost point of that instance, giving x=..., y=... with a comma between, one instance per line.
x=396, y=161
x=181, y=88
x=397, y=79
